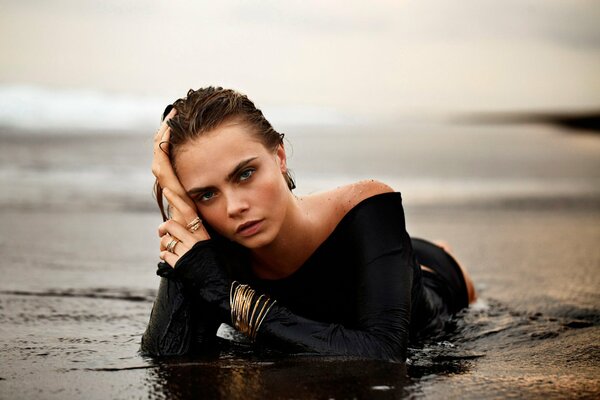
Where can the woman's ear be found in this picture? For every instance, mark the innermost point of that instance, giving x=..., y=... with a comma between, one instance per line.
x=281, y=158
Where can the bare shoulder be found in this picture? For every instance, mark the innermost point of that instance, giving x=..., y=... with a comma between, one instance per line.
x=361, y=190
x=352, y=194
x=342, y=199
x=329, y=207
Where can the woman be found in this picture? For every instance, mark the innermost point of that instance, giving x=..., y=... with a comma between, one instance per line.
x=330, y=273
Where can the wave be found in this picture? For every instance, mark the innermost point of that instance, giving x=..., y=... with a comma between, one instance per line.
x=42, y=109
x=78, y=111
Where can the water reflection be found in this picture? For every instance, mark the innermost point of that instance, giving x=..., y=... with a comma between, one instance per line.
x=298, y=377
x=479, y=343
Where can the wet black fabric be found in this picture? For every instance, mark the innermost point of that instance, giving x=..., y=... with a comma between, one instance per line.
x=447, y=279
x=361, y=293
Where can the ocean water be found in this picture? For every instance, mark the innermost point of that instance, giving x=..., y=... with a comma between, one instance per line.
x=520, y=206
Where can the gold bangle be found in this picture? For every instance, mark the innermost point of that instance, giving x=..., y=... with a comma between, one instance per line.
x=237, y=306
x=258, y=316
x=232, y=303
x=244, y=305
x=252, y=320
x=263, y=318
x=247, y=297
x=240, y=302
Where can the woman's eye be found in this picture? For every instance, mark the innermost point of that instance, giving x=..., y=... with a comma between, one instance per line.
x=246, y=174
x=206, y=196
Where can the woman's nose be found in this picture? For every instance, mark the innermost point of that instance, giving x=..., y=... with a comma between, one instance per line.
x=236, y=204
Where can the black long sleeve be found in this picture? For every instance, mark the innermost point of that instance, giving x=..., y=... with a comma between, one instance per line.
x=179, y=322
x=386, y=283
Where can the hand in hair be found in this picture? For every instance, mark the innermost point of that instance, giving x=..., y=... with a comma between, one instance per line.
x=182, y=236
x=163, y=170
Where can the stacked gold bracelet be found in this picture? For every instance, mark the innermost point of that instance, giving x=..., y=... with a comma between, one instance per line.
x=244, y=306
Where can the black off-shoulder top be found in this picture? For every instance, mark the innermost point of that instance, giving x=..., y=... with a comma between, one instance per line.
x=361, y=293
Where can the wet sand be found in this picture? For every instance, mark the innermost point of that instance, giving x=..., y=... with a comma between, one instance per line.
x=519, y=205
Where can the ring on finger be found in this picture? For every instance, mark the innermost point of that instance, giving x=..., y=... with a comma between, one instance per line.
x=171, y=245
x=194, y=225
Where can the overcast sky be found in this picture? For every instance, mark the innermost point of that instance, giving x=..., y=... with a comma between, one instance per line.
x=363, y=57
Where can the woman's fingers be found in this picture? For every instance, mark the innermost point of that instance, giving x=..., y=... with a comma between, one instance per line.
x=173, y=228
x=163, y=126
x=168, y=178
x=161, y=164
x=176, y=240
x=187, y=214
x=179, y=210
x=187, y=211
x=169, y=258
x=173, y=245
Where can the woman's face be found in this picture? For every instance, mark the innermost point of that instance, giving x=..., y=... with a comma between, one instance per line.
x=236, y=183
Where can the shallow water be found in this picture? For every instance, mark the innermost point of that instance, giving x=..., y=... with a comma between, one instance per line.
x=79, y=254
x=83, y=343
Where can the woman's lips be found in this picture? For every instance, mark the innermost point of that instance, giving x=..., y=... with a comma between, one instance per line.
x=249, y=228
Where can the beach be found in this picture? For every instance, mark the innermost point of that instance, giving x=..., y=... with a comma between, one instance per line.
x=519, y=204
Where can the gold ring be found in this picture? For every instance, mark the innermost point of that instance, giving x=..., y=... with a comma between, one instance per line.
x=171, y=245
x=194, y=225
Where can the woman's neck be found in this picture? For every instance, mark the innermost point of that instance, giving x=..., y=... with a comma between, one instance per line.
x=297, y=239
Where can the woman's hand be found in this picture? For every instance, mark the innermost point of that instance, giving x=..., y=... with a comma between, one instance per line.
x=176, y=237
x=162, y=168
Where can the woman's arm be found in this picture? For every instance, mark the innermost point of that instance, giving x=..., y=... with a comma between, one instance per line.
x=180, y=322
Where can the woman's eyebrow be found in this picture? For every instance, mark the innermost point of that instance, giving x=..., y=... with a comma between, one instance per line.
x=238, y=167
x=230, y=176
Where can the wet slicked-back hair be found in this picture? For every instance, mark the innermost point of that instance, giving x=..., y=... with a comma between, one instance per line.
x=205, y=109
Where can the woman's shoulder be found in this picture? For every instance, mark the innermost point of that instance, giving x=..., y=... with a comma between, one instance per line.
x=371, y=199
x=350, y=196
x=370, y=213
x=333, y=205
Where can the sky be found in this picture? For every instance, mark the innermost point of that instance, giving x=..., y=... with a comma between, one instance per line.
x=377, y=59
